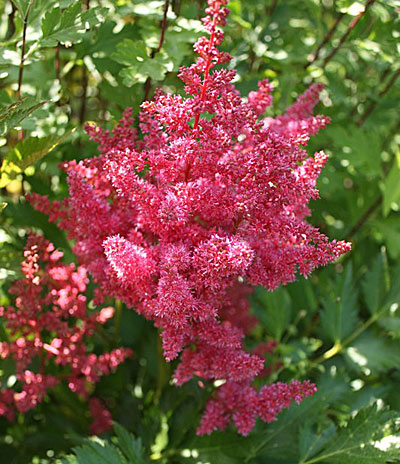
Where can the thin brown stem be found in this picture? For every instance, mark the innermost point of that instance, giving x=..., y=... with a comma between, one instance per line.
x=147, y=85
x=21, y=135
x=85, y=80
x=163, y=27
x=22, y=61
x=325, y=40
x=344, y=37
x=373, y=104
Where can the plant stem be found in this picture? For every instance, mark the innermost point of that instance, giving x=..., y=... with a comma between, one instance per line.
x=342, y=40
x=373, y=104
x=85, y=79
x=325, y=40
x=371, y=210
x=22, y=62
x=21, y=134
x=162, y=370
x=272, y=7
x=117, y=325
x=206, y=73
x=364, y=218
x=147, y=85
x=338, y=346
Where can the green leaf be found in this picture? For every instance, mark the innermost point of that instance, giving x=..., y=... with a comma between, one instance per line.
x=355, y=444
x=391, y=187
x=12, y=115
x=24, y=6
x=126, y=450
x=374, y=353
x=130, y=446
x=274, y=310
x=26, y=153
x=312, y=442
x=95, y=453
x=373, y=285
x=69, y=26
x=339, y=314
x=139, y=64
x=223, y=447
x=130, y=53
x=10, y=259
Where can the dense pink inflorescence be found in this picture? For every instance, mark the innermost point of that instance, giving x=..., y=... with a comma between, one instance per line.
x=181, y=221
x=49, y=323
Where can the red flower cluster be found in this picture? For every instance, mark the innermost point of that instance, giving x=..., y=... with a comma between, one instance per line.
x=47, y=331
x=179, y=221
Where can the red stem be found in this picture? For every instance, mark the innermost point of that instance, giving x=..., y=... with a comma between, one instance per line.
x=352, y=25
x=206, y=73
x=163, y=27
x=326, y=39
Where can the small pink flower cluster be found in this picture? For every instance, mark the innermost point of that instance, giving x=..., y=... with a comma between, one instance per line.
x=242, y=403
x=180, y=221
x=47, y=331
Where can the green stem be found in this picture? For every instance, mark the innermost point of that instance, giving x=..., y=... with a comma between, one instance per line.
x=162, y=370
x=117, y=325
x=338, y=346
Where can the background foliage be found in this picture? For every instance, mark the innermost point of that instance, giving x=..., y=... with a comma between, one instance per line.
x=88, y=60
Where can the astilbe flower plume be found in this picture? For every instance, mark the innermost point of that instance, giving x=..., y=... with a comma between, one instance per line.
x=47, y=332
x=181, y=221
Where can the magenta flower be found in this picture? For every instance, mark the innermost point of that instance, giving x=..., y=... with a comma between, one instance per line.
x=180, y=219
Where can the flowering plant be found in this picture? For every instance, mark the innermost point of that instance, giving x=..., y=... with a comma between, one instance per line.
x=48, y=331
x=181, y=219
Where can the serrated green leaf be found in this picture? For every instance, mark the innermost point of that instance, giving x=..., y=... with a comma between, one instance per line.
x=70, y=25
x=354, y=444
x=126, y=449
x=391, y=187
x=12, y=115
x=26, y=153
x=130, y=446
x=312, y=442
x=223, y=447
x=96, y=453
x=339, y=314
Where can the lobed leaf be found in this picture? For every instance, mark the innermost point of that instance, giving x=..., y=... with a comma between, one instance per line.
x=69, y=26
